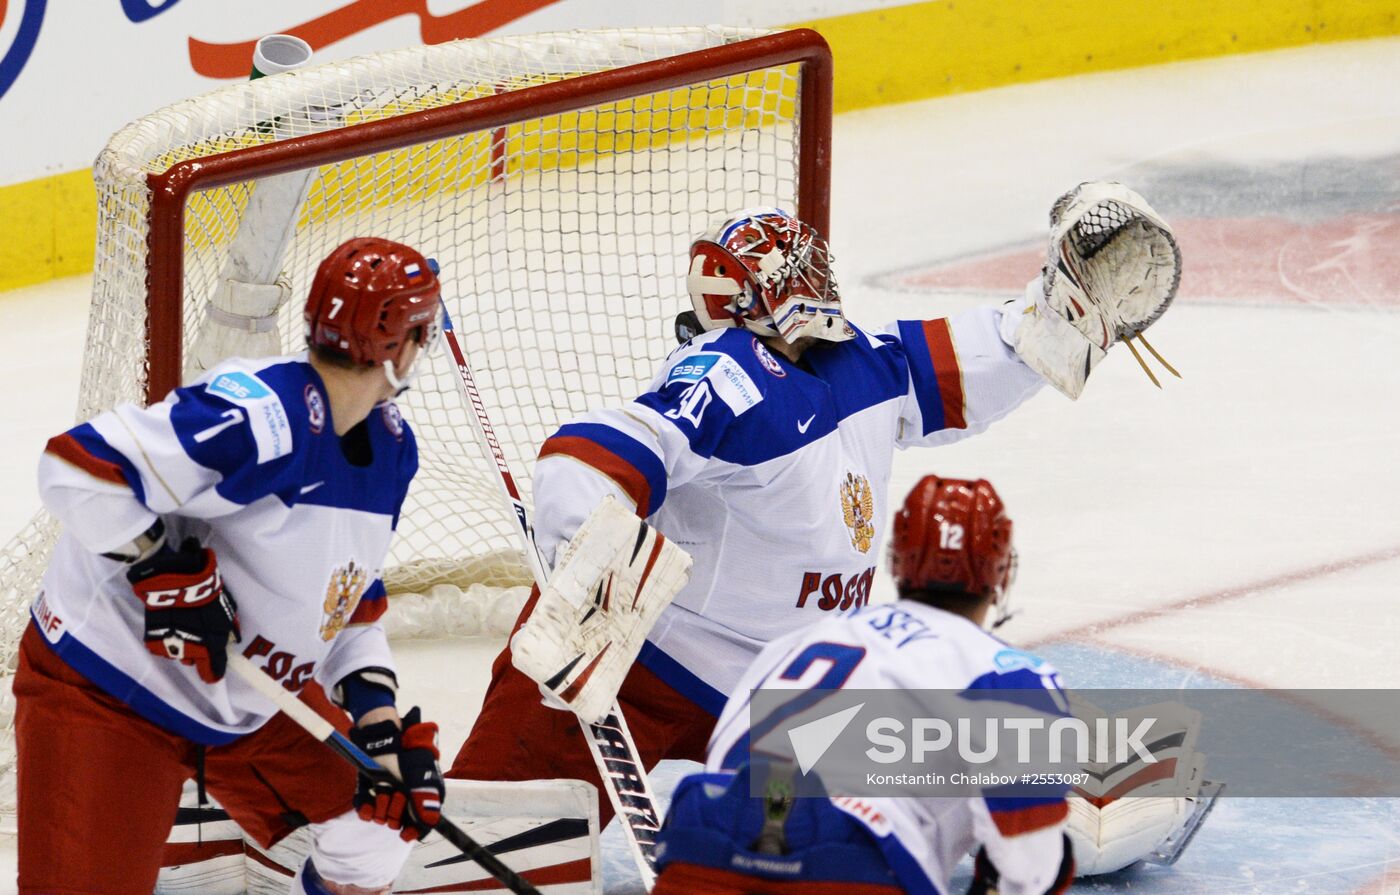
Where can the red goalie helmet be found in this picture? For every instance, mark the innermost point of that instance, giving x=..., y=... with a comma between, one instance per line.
x=369, y=295
x=953, y=535
x=767, y=271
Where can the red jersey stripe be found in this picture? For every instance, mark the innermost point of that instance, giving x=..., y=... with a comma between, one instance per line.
x=68, y=449
x=945, y=366
x=624, y=474
x=369, y=611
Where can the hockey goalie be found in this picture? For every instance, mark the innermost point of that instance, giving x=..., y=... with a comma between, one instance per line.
x=763, y=447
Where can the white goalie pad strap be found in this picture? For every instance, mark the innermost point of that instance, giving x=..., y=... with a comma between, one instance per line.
x=240, y=321
x=608, y=588
x=250, y=301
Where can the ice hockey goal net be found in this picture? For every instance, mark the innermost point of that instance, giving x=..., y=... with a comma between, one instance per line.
x=558, y=179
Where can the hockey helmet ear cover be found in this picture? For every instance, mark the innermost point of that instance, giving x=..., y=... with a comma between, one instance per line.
x=369, y=296
x=770, y=273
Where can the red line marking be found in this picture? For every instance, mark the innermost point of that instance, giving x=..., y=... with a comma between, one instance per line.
x=1225, y=595
x=1338, y=261
x=1215, y=598
x=1290, y=695
x=1388, y=883
x=68, y=449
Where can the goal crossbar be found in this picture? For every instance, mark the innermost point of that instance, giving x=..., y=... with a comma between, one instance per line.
x=171, y=188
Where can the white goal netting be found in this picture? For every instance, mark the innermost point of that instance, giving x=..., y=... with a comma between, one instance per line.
x=562, y=239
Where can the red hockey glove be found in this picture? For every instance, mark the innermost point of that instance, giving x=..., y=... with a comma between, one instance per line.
x=189, y=615
x=415, y=806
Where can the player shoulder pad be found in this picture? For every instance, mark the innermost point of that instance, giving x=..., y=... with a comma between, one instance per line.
x=244, y=386
x=728, y=361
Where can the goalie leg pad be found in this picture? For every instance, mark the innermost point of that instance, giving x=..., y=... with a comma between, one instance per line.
x=546, y=830
x=516, y=737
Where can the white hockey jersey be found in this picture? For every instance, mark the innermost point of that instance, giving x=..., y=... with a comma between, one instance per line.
x=247, y=460
x=774, y=475
x=911, y=646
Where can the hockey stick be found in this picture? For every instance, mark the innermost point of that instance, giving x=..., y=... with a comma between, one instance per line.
x=619, y=764
x=307, y=718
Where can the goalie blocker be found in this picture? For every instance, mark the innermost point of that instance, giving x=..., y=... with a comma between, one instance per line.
x=588, y=625
x=573, y=652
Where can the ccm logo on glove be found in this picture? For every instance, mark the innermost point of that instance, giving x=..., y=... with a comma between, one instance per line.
x=197, y=594
x=189, y=615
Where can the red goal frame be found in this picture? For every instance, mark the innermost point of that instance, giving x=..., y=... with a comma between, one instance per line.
x=171, y=189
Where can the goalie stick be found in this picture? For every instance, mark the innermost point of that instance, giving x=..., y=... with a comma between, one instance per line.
x=307, y=718
x=610, y=742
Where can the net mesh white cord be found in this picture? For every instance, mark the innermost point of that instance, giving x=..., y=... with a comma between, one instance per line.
x=562, y=241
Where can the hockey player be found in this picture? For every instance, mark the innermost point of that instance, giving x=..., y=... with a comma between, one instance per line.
x=256, y=505
x=763, y=447
x=953, y=561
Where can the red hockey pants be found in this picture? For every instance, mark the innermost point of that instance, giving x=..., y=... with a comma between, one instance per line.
x=99, y=784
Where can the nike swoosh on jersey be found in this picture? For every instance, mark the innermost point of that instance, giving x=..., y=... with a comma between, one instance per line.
x=309, y=488
x=802, y=427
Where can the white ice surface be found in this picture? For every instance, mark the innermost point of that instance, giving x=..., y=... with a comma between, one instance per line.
x=1263, y=488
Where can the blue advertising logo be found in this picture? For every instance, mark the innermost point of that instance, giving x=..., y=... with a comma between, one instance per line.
x=32, y=18
x=14, y=59
x=140, y=10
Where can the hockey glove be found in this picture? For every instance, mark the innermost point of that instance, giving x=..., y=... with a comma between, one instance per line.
x=414, y=806
x=189, y=615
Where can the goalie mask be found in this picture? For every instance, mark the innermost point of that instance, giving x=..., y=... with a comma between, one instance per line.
x=953, y=536
x=770, y=273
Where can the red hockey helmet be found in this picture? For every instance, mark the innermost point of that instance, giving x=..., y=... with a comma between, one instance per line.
x=765, y=270
x=953, y=535
x=369, y=295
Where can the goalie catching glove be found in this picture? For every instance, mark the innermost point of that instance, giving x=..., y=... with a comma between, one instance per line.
x=1113, y=268
x=608, y=588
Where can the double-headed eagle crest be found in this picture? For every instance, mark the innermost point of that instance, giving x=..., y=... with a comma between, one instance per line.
x=858, y=509
x=343, y=594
